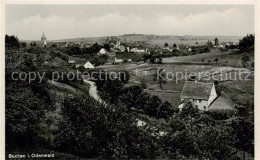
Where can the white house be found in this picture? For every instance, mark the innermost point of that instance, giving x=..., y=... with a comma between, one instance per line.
x=137, y=50
x=103, y=51
x=88, y=65
x=72, y=60
x=201, y=94
x=118, y=60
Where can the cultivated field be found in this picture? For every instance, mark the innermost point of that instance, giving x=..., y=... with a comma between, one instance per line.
x=240, y=91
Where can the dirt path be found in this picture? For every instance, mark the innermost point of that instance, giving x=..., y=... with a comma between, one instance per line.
x=93, y=90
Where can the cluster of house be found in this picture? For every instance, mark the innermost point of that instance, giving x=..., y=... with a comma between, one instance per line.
x=80, y=62
x=226, y=44
x=204, y=96
x=118, y=47
x=121, y=48
x=88, y=65
x=171, y=48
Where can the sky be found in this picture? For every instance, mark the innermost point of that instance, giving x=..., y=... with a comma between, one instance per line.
x=28, y=22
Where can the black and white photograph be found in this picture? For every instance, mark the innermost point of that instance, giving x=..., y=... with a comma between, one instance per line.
x=129, y=81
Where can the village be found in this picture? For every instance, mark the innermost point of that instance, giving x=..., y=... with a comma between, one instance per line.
x=129, y=80
x=119, y=55
x=163, y=85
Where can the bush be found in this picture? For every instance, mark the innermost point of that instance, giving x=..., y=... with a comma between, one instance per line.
x=221, y=114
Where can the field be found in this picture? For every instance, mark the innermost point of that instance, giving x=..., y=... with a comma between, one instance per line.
x=224, y=59
x=239, y=90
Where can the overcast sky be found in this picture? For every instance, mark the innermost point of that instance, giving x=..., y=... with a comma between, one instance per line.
x=28, y=22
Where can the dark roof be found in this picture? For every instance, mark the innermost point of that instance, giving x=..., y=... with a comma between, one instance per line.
x=222, y=102
x=196, y=90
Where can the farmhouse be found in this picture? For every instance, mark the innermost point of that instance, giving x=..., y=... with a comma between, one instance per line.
x=205, y=97
x=201, y=94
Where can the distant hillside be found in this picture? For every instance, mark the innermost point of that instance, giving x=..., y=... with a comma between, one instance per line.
x=154, y=39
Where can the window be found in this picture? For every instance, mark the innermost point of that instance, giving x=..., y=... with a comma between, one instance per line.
x=204, y=107
x=200, y=101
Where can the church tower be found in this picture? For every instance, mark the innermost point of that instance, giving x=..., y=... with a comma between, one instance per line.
x=44, y=40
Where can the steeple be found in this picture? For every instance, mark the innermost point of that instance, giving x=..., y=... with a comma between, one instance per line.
x=44, y=40
x=43, y=37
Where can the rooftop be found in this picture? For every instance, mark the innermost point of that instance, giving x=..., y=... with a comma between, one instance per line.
x=196, y=90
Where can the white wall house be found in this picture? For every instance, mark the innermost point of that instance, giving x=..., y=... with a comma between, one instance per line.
x=118, y=60
x=88, y=65
x=201, y=94
x=103, y=51
x=137, y=50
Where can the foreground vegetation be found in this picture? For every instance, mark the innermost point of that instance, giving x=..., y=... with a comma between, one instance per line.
x=46, y=117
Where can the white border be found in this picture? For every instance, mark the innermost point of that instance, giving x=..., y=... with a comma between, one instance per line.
x=137, y=2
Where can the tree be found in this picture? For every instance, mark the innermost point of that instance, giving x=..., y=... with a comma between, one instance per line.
x=130, y=95
x=252, y=64
x=23, y=44
x=209, y=43
x=54, y=45
x=33, y=44
x=247, y=43
x=216, y=59
x=124, y=76
x=243, y=130
x=189, y=110
x=245, y=59
x=153, y=107
x=26, y=103
x=107, y=47
x=143, y=83
x=160, y=76
x=174, y=45
x=147, y=56
x=85, y=124
x=165, y=110
x=216, y=41
x=12, y=41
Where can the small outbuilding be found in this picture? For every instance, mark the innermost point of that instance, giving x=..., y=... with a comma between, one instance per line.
x=222, y=102
x=88, y=65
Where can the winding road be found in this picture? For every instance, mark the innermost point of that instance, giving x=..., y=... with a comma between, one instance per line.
x=93, y=90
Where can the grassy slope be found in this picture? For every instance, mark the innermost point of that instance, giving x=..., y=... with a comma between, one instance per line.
x=225, y=58
x=240, y=91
